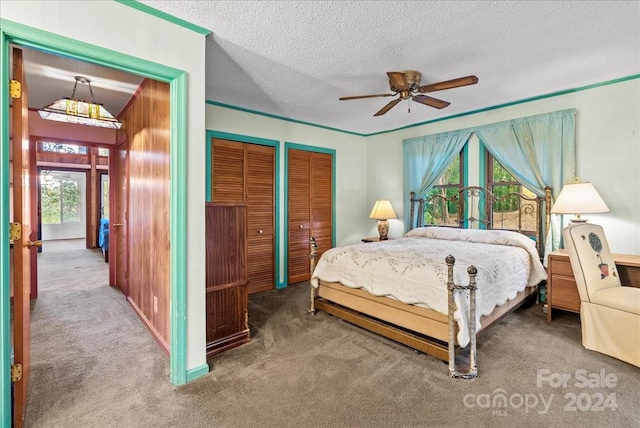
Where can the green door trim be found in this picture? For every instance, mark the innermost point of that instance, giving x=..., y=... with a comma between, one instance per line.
x=25, y=36
x=263, y=142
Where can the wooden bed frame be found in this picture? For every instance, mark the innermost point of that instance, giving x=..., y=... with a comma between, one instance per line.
x=425, y=329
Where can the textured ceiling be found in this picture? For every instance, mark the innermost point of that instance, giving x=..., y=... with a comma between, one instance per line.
x=294, y=59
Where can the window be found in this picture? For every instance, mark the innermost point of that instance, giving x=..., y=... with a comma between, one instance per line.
x=506, y=209
x=102, y=151
x=449, y=184
x=63, y=148
x=59, y=197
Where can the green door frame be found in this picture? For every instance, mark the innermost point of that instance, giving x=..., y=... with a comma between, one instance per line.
x=262, y=142
x=22, y=35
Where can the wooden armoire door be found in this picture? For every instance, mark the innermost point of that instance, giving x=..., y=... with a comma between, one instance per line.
x=243, y=172
x=310, y=209
x=226, y=276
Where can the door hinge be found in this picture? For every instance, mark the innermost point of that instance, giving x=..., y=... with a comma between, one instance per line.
x=15, y=231
x=16, y=372
x=15, y=89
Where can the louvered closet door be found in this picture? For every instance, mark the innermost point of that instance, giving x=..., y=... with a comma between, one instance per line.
x=310, y=209
x=246, y=173
x=261, y=199
x=228, y=170
x=321, y=200
x=299, y=215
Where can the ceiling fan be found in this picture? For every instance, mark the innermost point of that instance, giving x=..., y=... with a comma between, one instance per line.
x=407, y=83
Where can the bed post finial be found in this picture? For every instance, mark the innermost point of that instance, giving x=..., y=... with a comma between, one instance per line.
x=547, y=207
x=313, y=252
x=412, y=204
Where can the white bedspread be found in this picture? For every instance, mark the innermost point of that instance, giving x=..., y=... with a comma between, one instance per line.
x=413, y=269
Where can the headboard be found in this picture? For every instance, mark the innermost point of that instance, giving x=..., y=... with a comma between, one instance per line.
x=477, y=207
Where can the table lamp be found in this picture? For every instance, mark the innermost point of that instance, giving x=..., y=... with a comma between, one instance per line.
x=579, y=198
x=382, y=211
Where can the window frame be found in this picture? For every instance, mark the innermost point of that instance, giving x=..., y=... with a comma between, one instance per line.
x=458, y=187
x=490, y=183
x=61, y=202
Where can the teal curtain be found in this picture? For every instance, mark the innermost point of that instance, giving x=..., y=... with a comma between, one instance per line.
x=426, y=158
x=539, y=151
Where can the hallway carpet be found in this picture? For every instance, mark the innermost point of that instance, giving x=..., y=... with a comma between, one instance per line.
x=95, y=365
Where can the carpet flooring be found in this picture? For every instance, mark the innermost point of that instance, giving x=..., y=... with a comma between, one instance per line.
x=95, y=365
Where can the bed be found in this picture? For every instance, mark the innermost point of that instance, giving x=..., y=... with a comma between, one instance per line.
x=411, y=290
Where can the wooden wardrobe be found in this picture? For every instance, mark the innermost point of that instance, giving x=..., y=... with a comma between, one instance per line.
x=226, y=276
x=310, y=208
x=244, y=172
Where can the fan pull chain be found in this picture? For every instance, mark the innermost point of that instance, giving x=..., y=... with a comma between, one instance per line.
x=409, y=106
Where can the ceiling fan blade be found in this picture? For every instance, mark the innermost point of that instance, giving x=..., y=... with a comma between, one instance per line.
x=388, y=107
x=398, y=81
x=356, y=97
x=449, y=84
x=431, y=102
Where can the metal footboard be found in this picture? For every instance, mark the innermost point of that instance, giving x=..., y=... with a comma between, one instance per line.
x=452, y=287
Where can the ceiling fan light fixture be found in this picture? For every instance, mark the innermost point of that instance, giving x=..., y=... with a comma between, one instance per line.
x=72, y=110
x=406, y=84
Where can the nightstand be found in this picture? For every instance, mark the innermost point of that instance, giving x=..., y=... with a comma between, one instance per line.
x=562, y=291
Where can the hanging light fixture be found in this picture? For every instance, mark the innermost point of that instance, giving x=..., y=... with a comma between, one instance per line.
x=72, y=110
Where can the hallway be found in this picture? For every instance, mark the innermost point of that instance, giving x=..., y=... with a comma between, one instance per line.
x=84, y=338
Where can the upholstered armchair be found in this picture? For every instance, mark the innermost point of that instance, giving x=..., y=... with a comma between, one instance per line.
x=609, y=312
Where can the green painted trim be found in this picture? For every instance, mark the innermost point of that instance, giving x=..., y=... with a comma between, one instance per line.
x=332, y=152
x=163, y=15
x=465, y=160
x=178, y=229
x=207, y=166
x=306, y=148
x=465, y=182
x=512, y=103
x=25, y=36
x=441, y=119
x=482, y=173
x=262, y=142
x=286, y=119
x=197, y=372
x=5, y=311
x=59, y=45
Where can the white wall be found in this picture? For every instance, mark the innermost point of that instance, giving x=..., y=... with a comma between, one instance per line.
x=352, y=217
x=607, y=146
x=121, y=28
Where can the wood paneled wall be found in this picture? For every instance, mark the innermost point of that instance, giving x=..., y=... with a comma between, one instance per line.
x=147, y=127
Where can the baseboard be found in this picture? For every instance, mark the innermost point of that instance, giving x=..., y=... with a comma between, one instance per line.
x=196, y=372
x=154, y=333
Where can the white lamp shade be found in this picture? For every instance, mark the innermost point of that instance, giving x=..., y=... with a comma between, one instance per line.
x=382, y=210
x=579, y=198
